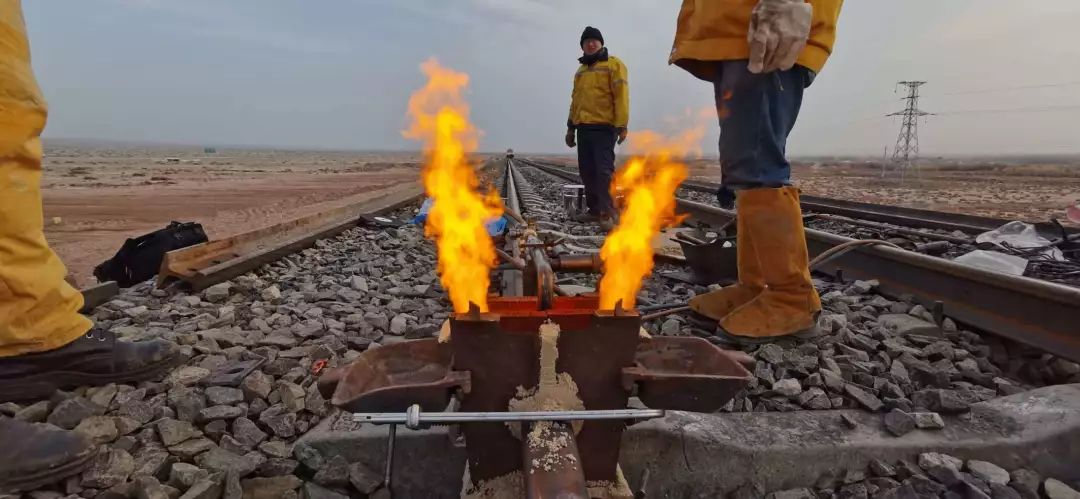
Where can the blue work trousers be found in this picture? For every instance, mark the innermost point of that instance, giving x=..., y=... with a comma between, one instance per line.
x=757, y=113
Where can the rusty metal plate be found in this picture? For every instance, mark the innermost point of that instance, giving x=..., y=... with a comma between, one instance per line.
x=393, y=377
x=686, y=374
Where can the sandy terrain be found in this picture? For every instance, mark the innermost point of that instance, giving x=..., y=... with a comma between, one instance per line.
x=103, y=195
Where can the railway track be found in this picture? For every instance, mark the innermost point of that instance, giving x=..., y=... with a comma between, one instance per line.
x=254, y=343
x=1039, y=313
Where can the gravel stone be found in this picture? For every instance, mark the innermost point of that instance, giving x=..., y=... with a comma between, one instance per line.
x=941, y=401
x=230, y=444
x=929, y=460
x=257, y=385
x=191, y=448
x=204, y=489
x=109, y=468
x=34, y=413
x=988, y=472
x=173, y=432
x=1026, y=482
x=247, y=432
x=270, y=488
x=363, y=479
x=148, y=487
x=69, y=413
x=187, y=375
x=787, y=387
x=864, y=398
x=187, y=402
x=99, y=429
x=335, y=473
x=276, y=448
x=849, y=421
x=814, y=399
x=223, y=395
x=899, y=423
x=279, y=420
x=217, y=459
x=316, y=491
x=292, y=396
x=150, y=461
x=220, y=412
x=184, y=475
x=998, y=491
x=929, y=420
x=277, y=467
x=217, y=293
x=882, y=469
x=139, y=410
x=793, y=494
x=1056, y=489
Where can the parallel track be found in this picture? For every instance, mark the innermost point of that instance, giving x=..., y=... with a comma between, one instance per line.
x=1034, y=312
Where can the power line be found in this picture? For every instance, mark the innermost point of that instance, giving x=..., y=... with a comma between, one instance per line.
x=907, y=142
x=1011, y=110
x=1020, y=87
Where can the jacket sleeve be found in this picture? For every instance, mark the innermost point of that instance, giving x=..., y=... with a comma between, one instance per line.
x=22, y=108
x=573, y=95
x=620, y=89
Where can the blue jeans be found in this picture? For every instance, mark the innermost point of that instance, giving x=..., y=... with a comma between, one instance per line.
x=757, y=112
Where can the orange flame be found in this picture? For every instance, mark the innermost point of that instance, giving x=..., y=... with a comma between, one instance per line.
x=440, y=119
x=647, y=182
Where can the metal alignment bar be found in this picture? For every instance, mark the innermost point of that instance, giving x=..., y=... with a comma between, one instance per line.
x=414, y=418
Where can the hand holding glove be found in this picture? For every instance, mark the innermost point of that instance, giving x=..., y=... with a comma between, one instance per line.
x=622, y=135
x=570, y=142
x=778, y=33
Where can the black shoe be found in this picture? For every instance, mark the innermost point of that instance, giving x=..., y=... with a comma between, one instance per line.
x=36, y=455
x=95, y=358
x=586, y=218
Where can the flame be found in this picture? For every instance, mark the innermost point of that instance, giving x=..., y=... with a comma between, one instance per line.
x=647, y=182
x=440, y=119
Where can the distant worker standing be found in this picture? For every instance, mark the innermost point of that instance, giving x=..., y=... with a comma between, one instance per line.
x=599, y=113
x=759, y=58
x=45, y=344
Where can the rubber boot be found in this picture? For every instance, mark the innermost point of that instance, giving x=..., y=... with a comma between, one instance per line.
x=789, y=304
x=713, y=306
x=36, y=455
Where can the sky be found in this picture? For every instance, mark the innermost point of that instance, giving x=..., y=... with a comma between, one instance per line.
x=337, y=74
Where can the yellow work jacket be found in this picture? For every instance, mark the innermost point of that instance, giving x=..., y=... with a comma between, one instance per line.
x=601, y=95
x=715, y=30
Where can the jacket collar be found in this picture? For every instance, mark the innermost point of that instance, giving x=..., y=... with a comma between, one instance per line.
x=599, y=56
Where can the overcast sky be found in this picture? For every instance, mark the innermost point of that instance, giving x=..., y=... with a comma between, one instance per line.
x=338, y=73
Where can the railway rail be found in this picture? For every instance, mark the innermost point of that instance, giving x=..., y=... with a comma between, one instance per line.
x=1038, y=313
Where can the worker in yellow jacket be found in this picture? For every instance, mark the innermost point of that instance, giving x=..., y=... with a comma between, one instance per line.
x=599, y=114
x=759, y=57
x=45, y=344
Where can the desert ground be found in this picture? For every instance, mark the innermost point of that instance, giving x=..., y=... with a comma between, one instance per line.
x=95, y=197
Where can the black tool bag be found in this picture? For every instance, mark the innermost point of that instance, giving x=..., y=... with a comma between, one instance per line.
x=139, y=259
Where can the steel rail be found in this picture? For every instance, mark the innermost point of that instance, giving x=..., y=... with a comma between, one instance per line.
x=1039, y=313
x=512, y=281
x=895, y=215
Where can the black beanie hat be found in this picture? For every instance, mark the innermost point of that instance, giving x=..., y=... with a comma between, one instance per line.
x=591, y=32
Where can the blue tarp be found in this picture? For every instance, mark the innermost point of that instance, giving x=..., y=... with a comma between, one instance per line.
x=494, y=227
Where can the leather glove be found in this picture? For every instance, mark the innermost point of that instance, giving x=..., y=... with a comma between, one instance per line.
x=778, y=33
x=622, y=135
x=570, y=141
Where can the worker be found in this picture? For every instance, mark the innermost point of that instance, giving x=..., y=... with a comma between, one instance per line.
x=45, y=344
x=759, y=57
x=599, y=114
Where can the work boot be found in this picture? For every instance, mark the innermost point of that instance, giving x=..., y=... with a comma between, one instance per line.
x=586, y=218
x=789, y=304
x=96, y=358
x=710, y=308
x=36, y=455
